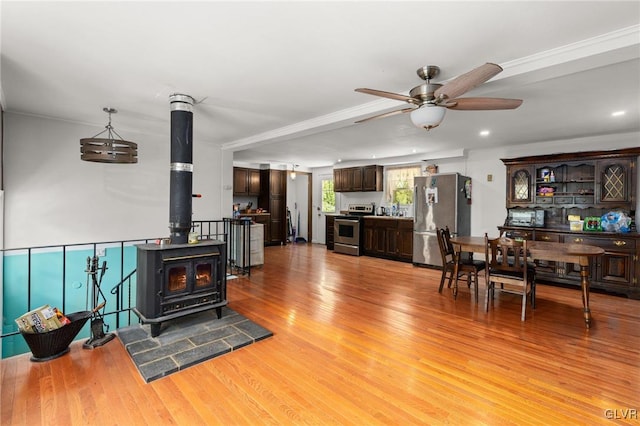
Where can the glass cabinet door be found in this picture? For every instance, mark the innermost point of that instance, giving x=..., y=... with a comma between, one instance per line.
x=615, y=181
x=519, y=182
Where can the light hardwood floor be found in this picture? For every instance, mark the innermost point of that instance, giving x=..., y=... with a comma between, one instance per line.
x=361, y=341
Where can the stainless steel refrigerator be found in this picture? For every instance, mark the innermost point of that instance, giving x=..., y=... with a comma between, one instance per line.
x=439, y=200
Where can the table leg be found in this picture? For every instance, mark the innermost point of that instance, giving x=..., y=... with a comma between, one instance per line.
x=456, y=264
x=584, y=275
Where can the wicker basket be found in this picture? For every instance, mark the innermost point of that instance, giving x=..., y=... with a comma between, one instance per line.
x=55, y=343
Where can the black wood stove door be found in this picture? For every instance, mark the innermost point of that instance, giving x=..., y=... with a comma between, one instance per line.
x=190, y=281
x=191, y=275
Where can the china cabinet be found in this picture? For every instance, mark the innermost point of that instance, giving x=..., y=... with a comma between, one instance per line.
x=586, y=185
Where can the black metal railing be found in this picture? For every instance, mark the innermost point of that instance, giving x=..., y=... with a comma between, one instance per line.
x=64, y=250
x=231, y=231
x=121, y=289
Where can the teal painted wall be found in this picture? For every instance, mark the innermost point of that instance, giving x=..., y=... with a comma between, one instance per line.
x=59, y=278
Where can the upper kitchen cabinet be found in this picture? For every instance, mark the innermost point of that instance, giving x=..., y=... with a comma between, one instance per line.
x=594, y=179
x=358, y=179
x=246, y=182
x=372, y=178
x=347, y=180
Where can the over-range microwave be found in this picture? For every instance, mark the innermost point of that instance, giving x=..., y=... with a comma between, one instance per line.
x=525, y=217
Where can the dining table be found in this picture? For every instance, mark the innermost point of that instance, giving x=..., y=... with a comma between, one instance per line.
x=580, y=254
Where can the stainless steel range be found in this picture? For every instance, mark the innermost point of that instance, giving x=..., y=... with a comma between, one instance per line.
x=349, y=229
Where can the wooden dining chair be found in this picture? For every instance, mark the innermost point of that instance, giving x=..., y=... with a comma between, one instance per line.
x=467, y=267
x=507, y=266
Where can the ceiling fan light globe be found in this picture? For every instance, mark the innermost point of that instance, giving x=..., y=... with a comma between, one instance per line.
x=428, y=116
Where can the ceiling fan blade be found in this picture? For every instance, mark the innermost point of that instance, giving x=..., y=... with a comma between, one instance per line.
x=386, y=114
x=390, y=95
x=465, y=82
x=475, y=104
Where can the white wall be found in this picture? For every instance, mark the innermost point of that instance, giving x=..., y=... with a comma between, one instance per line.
x=226, y=185
x=52, y=197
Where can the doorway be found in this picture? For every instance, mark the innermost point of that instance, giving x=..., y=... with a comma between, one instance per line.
x=299, y=196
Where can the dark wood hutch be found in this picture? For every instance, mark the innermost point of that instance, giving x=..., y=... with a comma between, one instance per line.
x=586, y=184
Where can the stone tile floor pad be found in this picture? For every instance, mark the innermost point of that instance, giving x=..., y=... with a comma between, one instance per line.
x=187, y=341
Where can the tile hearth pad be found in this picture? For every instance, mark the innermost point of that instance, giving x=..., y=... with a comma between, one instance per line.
x=187, y=341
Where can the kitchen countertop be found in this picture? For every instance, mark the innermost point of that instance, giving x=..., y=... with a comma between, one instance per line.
x=389, y=217
x=373, y=216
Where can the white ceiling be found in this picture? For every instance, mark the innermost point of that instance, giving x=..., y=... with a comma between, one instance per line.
x=279, y=77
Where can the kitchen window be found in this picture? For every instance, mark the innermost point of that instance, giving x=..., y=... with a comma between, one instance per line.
x=399, y=184
x=328, y=196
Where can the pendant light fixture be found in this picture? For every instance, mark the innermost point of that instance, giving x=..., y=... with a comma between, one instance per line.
x=109, y=149
x=293, y=172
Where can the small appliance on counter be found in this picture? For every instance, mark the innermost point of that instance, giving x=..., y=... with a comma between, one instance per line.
x=525, y=217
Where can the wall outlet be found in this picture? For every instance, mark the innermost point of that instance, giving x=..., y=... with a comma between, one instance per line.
x=101, y=251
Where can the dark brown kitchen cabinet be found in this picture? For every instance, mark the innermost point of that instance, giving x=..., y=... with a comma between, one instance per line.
x=388, y=238
x=358, y=179
x=240, y=181
x=372, y=178
x=356, y=174
x=246, y=182
x=405, y=239
x=343, y=180
x=254, y=182
x=375, y=235
x=272, y=198
x=329, y=231
x=338, y=184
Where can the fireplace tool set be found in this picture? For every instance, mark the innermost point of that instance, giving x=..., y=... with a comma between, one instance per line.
x=98, y=300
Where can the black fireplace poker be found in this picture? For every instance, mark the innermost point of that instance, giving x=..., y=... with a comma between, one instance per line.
x=181, y=180
x=98, y=335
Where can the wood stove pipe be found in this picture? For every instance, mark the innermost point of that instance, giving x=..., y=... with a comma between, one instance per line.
x=181, y=182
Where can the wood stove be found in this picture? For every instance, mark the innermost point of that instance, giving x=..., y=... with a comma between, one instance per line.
x=179, y=279
x=175, y=280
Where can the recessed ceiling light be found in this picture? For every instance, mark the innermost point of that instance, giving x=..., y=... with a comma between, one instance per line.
x=339, y=160
x=484, y=133
x=617, y=113
x=414, y=150
x=373, y=156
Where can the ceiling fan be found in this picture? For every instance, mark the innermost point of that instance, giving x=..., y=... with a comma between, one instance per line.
x=430, y=101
